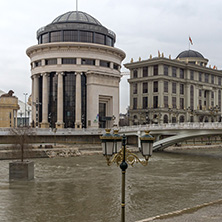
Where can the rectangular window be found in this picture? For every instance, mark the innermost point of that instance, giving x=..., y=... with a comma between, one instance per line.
x=145, y=102
x=166, y=70
x=50, y=61
x=45, y=38
x=155, y=86
x=38, y=63
x=135, y=73
x=181, y=73
x=68, y=61
x=88, y=62
x=165, y=101
x=99, y=38
x=191, y=75
x=219, y=81
x=155, y=102
x=104, y=63
x=174, y=102
x=212, y=79
x=116, y=66
x=181, y=103
x=200, y=92
x=85, y=36
x=134, y=103
x=181, y=89
x=134, y=88
x=212, y=103
x=212, y=95
x=155, y=70
x=145, y=87
x=206, y=79
x=200, y=77
x=174, y=88
x=165, y=86
x=56, y=36
x=200, y=104
x=174, y=72
x=145, y=71
x=70, y=36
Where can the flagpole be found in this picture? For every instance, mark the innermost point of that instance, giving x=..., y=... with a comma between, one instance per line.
x=189, y=43
x=77, y=5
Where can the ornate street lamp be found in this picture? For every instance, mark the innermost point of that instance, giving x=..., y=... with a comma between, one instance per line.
x=115, y=151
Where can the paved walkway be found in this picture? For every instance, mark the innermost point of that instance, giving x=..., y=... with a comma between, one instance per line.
x=209, y=212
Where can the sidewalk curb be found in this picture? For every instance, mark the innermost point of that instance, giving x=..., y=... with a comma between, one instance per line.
x=180, y=212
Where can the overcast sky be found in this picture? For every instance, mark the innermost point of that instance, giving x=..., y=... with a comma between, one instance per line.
x=142, y=27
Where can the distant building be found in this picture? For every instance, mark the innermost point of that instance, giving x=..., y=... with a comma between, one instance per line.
x=8, y=110
x=165, y=90
x=23, y=118
x=75, y=71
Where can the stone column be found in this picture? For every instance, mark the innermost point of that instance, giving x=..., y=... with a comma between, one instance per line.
x=78, y=122
x=60, y=123
x=35, y=96
x=45, y=123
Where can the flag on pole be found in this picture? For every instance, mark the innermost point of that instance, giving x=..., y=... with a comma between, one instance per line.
x=191, y=42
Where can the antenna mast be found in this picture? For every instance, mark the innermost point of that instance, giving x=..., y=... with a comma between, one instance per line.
x=77, y=5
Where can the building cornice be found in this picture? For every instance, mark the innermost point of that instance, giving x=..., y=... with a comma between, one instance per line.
x=74, y=46
x=174, y=62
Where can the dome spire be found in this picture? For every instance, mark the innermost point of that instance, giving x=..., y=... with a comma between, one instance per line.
x=77, y=5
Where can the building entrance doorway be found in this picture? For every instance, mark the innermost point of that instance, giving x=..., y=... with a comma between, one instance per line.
x=102, y=115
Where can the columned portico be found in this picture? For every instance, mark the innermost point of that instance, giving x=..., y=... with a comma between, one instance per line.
x=60, y=123
x=45, y=123
x=78, y=122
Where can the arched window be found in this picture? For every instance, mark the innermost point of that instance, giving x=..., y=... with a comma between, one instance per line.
x=165, y=119
x=182, y=119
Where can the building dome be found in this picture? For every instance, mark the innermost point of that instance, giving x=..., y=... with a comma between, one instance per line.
x=76, y=16
x=76, y=26
x=190, y=54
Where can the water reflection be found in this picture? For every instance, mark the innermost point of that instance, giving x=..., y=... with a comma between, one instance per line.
x=86, y=189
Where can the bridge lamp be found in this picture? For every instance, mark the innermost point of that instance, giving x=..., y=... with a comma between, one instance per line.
x=147, y=145
x=107, y=143
x=117, y=142
x=115, y=145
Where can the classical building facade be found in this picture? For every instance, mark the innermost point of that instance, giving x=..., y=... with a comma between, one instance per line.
x=75, y=71
x=165, y=90
x=8, y=110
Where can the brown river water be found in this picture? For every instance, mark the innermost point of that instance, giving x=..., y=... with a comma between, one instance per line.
x=85, y=189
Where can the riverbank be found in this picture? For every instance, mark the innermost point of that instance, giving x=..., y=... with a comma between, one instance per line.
x=50, y=151
x=8, y=152
x=206, y=212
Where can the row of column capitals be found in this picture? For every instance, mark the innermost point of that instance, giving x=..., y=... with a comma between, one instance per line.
x=60, y=73
x=78, y=73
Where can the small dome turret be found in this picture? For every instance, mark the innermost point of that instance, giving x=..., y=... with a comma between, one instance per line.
x=192, y=57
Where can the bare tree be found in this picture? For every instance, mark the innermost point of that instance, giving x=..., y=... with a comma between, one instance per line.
x=21, y=138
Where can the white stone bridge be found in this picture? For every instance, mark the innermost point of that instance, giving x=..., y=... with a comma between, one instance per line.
x=175, y=133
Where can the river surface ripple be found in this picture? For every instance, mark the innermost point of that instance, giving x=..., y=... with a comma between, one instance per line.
x=85, y=189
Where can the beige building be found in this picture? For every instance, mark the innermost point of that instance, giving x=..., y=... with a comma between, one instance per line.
x=75, y=71
x=165, y=90
x=8, y=110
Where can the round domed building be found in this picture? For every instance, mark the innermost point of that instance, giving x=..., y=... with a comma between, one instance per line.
x=75, y=71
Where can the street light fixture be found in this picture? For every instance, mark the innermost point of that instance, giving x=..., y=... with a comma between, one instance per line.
x=115, y=151
x=25, y=94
